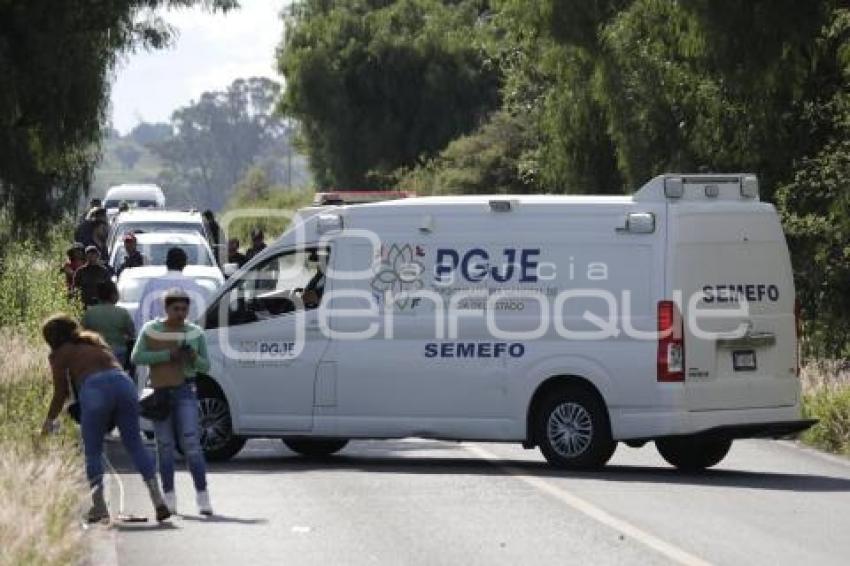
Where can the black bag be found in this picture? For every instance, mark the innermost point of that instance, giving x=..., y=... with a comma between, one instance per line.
x=75, y=411
x=156, y=405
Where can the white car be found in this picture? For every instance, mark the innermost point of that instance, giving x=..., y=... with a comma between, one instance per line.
x=152, y=220
x=154, y=247
x=570, y=323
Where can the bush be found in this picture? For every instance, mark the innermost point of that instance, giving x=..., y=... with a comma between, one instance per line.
x=31, y=284
x=826, y=397
x=256, y=193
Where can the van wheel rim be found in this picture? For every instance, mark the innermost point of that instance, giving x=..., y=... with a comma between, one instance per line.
x=570, y=429
x=215, y=423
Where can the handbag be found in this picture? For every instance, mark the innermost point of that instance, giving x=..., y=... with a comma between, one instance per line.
x=155, y=405
x=74, y=410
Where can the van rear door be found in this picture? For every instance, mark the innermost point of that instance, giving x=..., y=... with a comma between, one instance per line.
x=731, y=263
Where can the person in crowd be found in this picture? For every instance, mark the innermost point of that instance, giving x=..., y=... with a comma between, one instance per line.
x=112, y=322
x=150, y=301
x=233, y=253
x=89, y=276
x=76, y=259
x=176, y=352
x=100, y=232
x=123, y=206
x=315, y=288
x=215, y=234
x=132, y=256
x=258, y=243
x=93, y=203
x=106, y=396
x=85, y=232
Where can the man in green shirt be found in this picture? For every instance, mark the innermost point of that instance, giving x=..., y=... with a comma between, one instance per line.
x=176, y=352
x=111, y=321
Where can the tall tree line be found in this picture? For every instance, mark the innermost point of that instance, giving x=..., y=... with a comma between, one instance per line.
x=590, y=96
x=55, y=65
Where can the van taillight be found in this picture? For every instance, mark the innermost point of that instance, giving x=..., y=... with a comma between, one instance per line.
x=671, y=343
x=798, y=331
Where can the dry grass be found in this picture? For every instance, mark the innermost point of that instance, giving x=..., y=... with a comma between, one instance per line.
x=826, y=396
x=41, y=483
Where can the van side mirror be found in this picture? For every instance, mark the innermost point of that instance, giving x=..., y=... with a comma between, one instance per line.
x=229, y=269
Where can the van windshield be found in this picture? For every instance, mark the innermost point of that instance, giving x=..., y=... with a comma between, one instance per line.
x=154, y=254
x=143, y=203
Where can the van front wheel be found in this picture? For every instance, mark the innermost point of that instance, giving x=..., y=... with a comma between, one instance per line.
x=315, y=448
x=572, y=429
x=218, y=441
x=692, y=454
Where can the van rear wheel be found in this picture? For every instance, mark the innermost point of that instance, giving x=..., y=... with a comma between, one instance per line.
x=692, y=454
x=572, y=429
x=315, y=448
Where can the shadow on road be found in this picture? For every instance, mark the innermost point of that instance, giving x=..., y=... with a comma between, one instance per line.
x=223, y=519
x=377, y=459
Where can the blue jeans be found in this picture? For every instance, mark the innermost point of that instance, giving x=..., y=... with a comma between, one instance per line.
x=182, y=423
x=108, y=397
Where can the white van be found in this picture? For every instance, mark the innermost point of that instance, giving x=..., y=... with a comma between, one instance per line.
x=137, y=196
x=569, y=323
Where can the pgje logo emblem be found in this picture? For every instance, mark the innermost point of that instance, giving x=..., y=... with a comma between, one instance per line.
x=400, y=271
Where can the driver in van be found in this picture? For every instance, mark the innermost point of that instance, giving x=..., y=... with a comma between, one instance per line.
x=315, y=288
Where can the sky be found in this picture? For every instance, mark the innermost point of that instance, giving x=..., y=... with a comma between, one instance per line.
x=211, y=51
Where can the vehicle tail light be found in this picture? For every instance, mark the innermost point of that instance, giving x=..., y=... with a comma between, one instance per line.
x=798, y=332
x=671, y=343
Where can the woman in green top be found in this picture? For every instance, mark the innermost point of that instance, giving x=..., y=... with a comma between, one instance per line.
x=111, y=321
x=168, y=343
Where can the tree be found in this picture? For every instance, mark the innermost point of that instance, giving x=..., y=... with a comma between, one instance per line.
x=219, y=137
x=381, y=84
x=128, y=155
x=146, y=133
x=55, y=60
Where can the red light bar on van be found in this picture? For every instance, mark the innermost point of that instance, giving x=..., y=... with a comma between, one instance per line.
x=671, y=343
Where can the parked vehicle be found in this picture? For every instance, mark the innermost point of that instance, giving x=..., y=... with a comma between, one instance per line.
x=135, y=195
x=570, y=323
x=145, y=221
x=154, y=247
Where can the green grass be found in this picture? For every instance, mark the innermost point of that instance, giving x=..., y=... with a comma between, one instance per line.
x=41, y=479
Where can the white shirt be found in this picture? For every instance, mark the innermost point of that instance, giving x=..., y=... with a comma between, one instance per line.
x=152, y=304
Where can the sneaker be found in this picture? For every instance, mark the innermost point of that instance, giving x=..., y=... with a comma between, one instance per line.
x=98, y=511
x=204, y=505
x=97, y=514
x=163, y=513
x=170, y=501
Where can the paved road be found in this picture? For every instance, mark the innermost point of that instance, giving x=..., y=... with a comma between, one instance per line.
x=423, y=502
